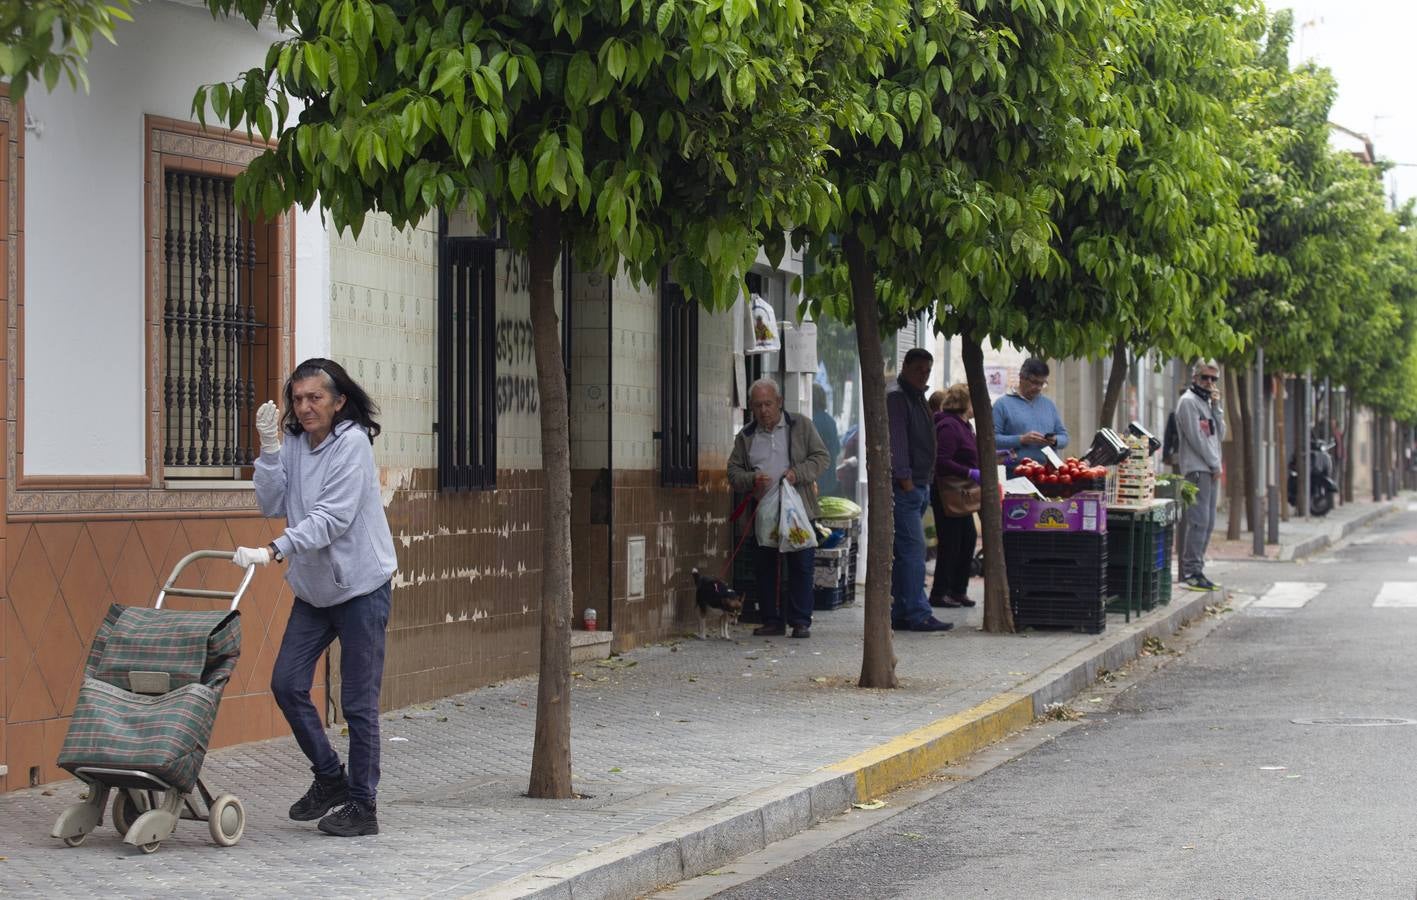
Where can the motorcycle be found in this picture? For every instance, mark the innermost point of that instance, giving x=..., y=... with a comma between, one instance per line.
x=1322, y=487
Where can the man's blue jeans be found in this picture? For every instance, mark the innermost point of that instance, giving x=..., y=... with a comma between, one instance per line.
x=909, y=604
x=359, y=624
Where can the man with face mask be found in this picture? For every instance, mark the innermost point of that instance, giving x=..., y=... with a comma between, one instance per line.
x=1026, y=421
x=1200, y=427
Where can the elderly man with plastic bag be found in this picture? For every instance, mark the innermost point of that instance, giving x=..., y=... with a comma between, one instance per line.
x=778, y=446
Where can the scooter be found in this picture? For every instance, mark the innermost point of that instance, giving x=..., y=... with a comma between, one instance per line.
x=1322, y=487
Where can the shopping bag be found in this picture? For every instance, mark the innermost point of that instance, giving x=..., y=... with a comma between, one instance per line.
x=766, y=521
x=762, y=322
x=794, y=529
x=959, y=496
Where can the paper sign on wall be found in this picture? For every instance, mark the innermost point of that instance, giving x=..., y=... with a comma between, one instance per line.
x=800, y=350
x=763, y=328
x=997, y=378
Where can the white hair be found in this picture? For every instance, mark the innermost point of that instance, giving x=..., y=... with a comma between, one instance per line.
x=1204, y=364
x=764, y=382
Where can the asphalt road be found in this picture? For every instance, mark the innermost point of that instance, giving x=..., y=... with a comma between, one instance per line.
x=1197, y=781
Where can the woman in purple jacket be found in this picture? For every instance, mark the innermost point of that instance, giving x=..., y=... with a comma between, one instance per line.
x=957, y=455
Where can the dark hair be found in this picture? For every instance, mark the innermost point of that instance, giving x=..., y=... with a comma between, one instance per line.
x=819, y=397
x=357, y=405
x=917, y=354
x=1033, y=367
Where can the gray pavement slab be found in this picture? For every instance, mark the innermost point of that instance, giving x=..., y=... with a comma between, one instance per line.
x=665, y=739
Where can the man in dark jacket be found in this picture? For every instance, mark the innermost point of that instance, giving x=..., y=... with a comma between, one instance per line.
x=778, y=446
x=912, y=469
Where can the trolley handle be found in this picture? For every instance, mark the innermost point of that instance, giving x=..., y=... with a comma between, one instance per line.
x=204, y=593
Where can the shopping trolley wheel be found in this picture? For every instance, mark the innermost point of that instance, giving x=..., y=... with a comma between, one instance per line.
x=74, y=841
x=125, y=810
x=226, y=820
x=150, y=847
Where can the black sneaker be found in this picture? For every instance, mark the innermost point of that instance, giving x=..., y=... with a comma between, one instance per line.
x=930, y=624
x=324, y=795
x=1198, y=583
x=351, y=820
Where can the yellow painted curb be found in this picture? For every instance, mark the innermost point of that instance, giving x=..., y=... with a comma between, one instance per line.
x=912, y=756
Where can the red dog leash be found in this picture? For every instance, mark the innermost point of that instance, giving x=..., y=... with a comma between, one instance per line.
x=738, y=511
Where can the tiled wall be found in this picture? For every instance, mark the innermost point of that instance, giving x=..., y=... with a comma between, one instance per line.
x=63, y=577
x=383, y=330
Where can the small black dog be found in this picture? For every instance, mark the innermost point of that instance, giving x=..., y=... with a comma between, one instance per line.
x=712, y=593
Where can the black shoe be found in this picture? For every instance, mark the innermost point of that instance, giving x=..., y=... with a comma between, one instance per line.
x=899, y=625
x=945, y=603
x=770, y=630
x=930, y=624
x=1209, y=585
x=801, y=631
x=351, y=820
x=963, y=600
x=1197, y=583
x=324, y=795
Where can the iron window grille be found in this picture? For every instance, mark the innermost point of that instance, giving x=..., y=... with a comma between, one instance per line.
x=467, y=362
x=210, y=327
x=678, y=387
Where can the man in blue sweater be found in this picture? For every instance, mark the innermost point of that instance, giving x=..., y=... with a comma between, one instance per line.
x=1025, y=420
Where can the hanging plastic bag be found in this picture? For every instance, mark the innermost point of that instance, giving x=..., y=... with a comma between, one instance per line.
x=795, y=530
x=762, y=322
x=766, y=520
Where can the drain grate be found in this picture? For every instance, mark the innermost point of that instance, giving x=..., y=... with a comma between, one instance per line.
x=1355, y=721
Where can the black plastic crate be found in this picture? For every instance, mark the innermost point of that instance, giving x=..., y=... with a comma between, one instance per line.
x=828, y=598
x=1083, y=583
x=1088, y=626
x=1151, y=548
x=1087, y=550
x=1148, y=589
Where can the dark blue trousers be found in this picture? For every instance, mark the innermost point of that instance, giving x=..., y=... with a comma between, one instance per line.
x=795, y=591
x=359, y=624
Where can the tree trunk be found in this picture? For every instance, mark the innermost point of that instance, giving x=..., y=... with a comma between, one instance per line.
x=998, y=617
x=1234, y=468
x=878, y=649
x=1247, y=456
x=551, y=747
x=1115, y=381
x=1280, y=461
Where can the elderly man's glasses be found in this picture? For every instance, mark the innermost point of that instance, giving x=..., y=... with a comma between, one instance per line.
x=1210, y=378
x=1039, y=382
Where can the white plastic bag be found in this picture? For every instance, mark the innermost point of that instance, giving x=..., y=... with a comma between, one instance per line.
x=766, y=519
x=762, y=327
x=795, y=530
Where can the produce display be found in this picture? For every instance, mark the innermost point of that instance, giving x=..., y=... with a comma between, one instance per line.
x=1074, y=476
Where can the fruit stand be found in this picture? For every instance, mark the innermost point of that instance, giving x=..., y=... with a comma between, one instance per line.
x=1055, y=547
x=1140, y=535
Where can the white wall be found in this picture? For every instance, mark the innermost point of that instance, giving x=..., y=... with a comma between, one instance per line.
x=84, y=223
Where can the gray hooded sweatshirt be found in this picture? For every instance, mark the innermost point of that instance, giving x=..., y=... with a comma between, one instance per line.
x=336, y=542
x=1201, y=428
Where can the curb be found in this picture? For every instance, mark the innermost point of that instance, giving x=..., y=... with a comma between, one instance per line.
x=699, y=843
x=1337, y=533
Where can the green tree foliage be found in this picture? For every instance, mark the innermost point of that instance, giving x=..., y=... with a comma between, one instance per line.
x=44, y=39
x=946, y=165
x=650, y=135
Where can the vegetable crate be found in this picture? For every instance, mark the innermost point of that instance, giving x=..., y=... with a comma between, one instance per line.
x=1135, y=483
x=1057, y=580
x=1080, y=611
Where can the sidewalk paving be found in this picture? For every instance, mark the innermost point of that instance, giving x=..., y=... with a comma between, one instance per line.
x=689, y=754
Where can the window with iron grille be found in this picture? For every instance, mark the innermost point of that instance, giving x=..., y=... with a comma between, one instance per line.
x=467, y=363
x=678, y=387
x=213, y=327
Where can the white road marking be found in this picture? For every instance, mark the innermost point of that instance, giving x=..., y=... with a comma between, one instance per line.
x=1412, y=507
x=1398, y=595
x=1412, y=559
x=1290, y=594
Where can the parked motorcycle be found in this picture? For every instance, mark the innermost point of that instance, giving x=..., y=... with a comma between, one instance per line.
x=1322, y=487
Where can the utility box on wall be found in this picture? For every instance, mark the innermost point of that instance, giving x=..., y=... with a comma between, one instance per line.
x=635, y=569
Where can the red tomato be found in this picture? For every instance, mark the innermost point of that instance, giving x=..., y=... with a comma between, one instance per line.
x=1065, y=478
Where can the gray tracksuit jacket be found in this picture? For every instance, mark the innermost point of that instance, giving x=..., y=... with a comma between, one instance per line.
x=1201, y=428
x=336, y=542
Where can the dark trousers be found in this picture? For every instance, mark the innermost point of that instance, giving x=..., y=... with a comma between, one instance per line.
x=359, y=624
x=796, y=589
x=954, y=551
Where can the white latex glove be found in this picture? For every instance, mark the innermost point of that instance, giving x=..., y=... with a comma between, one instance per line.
x=268, y=426
x=251, y=556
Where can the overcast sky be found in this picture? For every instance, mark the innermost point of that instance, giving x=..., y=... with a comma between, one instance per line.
x=1368, y=45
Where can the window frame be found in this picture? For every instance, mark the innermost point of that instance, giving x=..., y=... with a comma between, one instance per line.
x=458, y=440
x=678, y=387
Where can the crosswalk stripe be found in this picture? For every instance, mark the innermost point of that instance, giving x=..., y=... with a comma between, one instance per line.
x=1397, y=594
x=1412, y=507
x=1290, y=594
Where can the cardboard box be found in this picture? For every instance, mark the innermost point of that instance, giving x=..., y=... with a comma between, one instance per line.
x=1081, y=512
